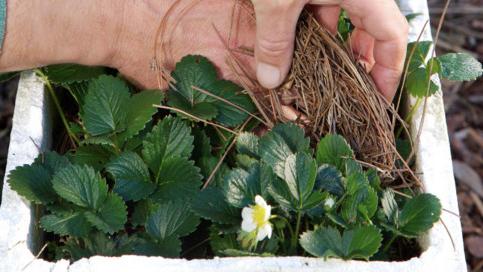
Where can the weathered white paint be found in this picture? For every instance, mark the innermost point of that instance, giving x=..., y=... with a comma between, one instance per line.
x=19, y=236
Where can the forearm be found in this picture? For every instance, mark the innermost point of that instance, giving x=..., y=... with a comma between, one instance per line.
x=41, y=32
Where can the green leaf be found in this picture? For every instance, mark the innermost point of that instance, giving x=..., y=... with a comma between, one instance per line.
x=295, y=192
x=329, y=179
x=193, y=71
x=389, y=206
x=105, y=106
x=140, y=112
x=418, y=58
x=228, y=114
x=460, y=67
x=131, y=175
x=357, y=243
x=211, y=204
x=70, y=73
x=300, y=172
x=294, y=137
x=32, y=182
x=334, y=150
x=52, y=161
x=247, y=144
x=7, y=76
x=171, y=219
x=95, y=156
x=178, y=179
x=111, y=216
x=80, y=185
x=279, y=143
x=240, y=187
x=417, y=83
x=170, y=138
x=170, y=247
x=412, y=16
x=361, y=201
x=141, y=212
x=419, y=214
x=72, y=223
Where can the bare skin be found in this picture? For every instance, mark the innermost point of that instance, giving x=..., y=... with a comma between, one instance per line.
x=121, y=34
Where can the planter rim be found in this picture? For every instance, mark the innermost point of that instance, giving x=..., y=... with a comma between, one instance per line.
x=19, y=236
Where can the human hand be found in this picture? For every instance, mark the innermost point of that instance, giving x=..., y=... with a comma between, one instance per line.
x=379, y=38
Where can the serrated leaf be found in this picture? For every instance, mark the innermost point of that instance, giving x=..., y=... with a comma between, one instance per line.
x=140, y=112
x=247, y=144
x=334, y=150
x=295, y=190
x=170, y=138
x=80, y=185
x=170, y=247
x=357, y=243
x=171, y=219
x=70, y=73
x=294, y=137
x=281, y=142
x=193, y=71
x=240, y=187
x=111, y=216
x=211, y=204
x=51, y=161
x=131, y=176
x=419, y=214
x=33, y=182
x=178, y=179
x=459, y=67
x=142, y=210
x=421, y=51
x=228, y=114
x=95, y=156
x=105, y=106
x=417, y=83
x=329, y=179
x=73, y=224
x=361, y=201
x=389, y=206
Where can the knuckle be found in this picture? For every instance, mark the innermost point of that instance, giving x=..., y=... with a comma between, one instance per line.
x=274, y=48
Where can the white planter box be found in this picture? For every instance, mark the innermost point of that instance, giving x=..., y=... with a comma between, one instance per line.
x=20, y=238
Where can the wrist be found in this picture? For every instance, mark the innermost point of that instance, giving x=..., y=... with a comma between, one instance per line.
x=43, y=32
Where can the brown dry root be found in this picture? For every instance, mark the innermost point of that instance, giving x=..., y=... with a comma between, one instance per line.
x=334, y=95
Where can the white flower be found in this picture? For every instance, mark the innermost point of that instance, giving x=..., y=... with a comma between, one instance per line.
x=329, y=203
x=256, y=218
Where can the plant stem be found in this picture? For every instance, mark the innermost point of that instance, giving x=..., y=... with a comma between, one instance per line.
x=410, y=115
x=295, y=235
x=386, y=247
x=55, y=99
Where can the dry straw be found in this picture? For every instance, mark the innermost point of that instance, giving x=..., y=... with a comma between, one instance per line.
x=329, y=92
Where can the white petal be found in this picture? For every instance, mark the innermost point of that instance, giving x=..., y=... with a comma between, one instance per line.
x=248, y=225
x=260, y=201
x=268, y=212
x=261, y=234
x=268, y=229
x=247, y=213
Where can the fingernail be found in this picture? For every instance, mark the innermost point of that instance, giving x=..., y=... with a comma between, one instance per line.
x=268, y=75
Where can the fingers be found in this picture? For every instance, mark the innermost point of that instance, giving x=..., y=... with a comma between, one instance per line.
x=362, y=44
x=276, y=23
x=382, y=20
x=328, y=16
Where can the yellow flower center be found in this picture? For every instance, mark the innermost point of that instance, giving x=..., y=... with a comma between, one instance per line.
x=259, y=215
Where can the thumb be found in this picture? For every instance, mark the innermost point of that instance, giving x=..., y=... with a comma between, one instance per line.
x=276, y=23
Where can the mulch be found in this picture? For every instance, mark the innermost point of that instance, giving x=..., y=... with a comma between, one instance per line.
x=462, y=32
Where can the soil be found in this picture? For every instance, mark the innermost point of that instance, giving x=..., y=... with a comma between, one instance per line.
x=462, y=31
